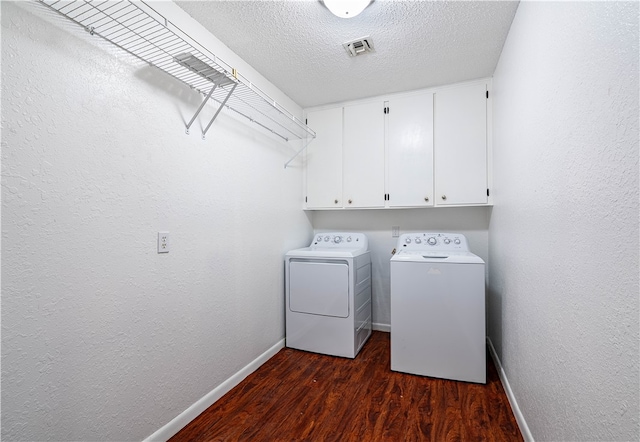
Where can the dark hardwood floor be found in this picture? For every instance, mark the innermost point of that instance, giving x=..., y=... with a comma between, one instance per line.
x=300, y=396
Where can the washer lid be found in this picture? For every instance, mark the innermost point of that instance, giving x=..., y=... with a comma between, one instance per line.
x=437, y=256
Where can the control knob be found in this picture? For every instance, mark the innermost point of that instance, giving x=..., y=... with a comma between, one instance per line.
x=326, y=238
x=457, y=241
x=447, y=241
x=432, y=241
x=348, y=239
x=408, y=240
x=418, y=240
x=337, y=239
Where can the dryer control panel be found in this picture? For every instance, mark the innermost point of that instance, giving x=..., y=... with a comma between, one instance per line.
x=433, y=241
x=344, y=240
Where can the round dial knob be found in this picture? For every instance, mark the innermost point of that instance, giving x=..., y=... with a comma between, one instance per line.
x=326, y=238
x=408, y=240
x=348, y=239
x=418, y=240
x=337, y=239
x=432, y=241
x=457, y=241
x=447, y=241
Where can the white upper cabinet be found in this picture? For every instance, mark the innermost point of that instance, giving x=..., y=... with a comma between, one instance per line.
x=422, y=149
x=460, y=143
x=410, y=151
x=363, y=155
x=324, y=160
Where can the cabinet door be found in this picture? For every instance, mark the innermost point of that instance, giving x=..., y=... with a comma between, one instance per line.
x=460, y=134
x=324, y=159
x=363, y=155
x=410, y=151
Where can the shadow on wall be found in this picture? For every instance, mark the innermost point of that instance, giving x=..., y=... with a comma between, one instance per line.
x=433, y=219
x=185, y=96
x=186, y=101
x=494, y=311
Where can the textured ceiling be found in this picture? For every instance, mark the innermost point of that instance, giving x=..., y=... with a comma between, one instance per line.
x=297, y=45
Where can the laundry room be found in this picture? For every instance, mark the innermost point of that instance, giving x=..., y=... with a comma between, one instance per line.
x=151, y=194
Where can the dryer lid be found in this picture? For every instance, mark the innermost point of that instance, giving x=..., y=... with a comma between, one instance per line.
x=320, y=252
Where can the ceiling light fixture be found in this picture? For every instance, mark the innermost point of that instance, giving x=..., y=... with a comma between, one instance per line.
x=346, y=8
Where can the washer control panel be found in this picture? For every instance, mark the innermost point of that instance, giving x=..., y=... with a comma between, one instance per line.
x=345, y=240
x=433, y=241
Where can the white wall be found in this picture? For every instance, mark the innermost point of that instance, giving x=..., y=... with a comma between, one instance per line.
x=473, y=222
x=103, y=338
x=564, y=229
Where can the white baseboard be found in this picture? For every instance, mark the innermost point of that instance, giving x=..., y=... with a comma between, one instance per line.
x=524, y=428
x=180, y=421
x=381, y=327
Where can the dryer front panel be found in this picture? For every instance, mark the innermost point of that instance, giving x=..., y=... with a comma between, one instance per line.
x=319, y=287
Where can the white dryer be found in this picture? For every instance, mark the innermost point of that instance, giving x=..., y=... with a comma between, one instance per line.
x=438, y=308
x=328, y=295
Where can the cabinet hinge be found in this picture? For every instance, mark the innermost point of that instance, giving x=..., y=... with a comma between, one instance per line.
x=487, y=192
x=386, y=197
x=385, y=110
x=487, y=94
x=306, y=121
x=305, y=199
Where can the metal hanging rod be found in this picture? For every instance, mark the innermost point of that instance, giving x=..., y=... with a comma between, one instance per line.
x=141, y=31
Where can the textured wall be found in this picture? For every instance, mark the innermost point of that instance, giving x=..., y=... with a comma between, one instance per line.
x=103, y=338
x=564, y=229
x=473, y=222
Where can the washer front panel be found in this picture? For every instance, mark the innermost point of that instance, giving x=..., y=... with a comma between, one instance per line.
x=438, y=320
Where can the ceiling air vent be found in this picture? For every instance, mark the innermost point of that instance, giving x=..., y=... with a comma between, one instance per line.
x=359, y=46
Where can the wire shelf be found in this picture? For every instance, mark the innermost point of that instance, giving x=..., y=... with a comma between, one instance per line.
x=138, y=29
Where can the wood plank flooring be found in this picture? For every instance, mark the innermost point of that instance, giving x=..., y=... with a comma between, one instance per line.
x=300, y=396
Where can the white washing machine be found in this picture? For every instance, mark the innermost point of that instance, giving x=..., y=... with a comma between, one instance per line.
x=328, y=295
x=438, y=308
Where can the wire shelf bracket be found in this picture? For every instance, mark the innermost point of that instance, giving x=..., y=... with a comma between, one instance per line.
x=199, y=109
x=298, y=152
x=204, y=132
x=135, y=27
